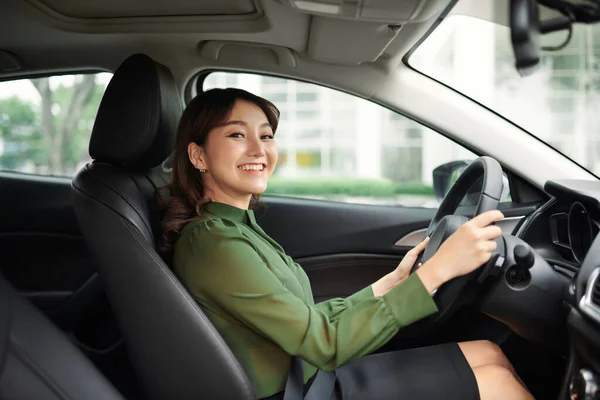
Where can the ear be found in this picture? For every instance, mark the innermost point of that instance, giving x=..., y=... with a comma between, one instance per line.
x=196, y=156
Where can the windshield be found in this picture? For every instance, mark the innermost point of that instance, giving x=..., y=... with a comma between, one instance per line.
x=559, y=103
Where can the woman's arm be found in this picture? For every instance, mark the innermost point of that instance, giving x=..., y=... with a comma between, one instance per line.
x=467, y=249
x=234, y=277
x=333, y=307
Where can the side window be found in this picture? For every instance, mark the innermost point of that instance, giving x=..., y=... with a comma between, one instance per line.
x=335, y=146
x=46, y=123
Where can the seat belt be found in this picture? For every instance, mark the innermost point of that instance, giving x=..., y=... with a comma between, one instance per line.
x=321, y=389
x=294, y=387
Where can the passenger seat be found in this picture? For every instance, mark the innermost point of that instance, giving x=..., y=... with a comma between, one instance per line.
x=38, y=362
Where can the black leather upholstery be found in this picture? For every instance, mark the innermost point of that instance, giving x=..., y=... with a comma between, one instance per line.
x=38, y=362
x=138, y=115
x=174, y=348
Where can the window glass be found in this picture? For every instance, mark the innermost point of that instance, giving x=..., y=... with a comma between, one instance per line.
x=558, y=103
x=339, y=147
x=46, y=123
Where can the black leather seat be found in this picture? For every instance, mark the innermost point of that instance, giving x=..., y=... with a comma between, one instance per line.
x=174, y=348
x=38, y=362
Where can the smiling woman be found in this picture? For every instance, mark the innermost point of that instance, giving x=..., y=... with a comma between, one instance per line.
x=260, y=300
x=235, y=160
x=239, y=157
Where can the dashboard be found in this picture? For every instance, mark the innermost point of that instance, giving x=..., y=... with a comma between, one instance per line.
x=563, y=230
x=565, y=233
x=572, y=233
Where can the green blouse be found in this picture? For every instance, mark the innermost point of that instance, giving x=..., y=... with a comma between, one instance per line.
x=261, y=302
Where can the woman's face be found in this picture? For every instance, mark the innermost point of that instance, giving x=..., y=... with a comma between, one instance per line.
x=239, y=156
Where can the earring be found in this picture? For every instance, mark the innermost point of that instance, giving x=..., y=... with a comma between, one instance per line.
x=202, y=169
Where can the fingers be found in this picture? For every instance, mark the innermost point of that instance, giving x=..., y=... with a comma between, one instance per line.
x=421, y=246
x=489, y=246
x=490, y=232
x=487, y=218
x=415, y=251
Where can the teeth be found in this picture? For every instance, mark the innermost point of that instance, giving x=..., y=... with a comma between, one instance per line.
x=251, y=167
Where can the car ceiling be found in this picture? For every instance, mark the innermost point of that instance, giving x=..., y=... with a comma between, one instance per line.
x=50, y=35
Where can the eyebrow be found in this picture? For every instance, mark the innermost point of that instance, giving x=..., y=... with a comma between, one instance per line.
x=242, y=123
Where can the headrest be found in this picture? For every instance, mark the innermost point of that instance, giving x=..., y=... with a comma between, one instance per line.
x=138, y=115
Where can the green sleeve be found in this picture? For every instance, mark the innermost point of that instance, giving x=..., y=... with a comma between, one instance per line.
x=233, y=276
x=334, y=307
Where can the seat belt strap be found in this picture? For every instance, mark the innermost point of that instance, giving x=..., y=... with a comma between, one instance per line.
x=294, y=387
x=321, y=389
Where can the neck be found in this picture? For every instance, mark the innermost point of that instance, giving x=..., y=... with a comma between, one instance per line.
x=242, y=201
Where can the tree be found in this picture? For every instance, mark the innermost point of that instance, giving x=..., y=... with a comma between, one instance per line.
x=61, y=116
x=50, y=137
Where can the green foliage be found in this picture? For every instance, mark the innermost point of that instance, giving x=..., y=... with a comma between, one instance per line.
x=20, y=133
x=347, y=187
x=23, y=136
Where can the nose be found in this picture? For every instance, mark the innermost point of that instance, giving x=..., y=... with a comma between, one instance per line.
x=256, y=147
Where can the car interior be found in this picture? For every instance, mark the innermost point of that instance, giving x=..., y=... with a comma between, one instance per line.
x=89, y=309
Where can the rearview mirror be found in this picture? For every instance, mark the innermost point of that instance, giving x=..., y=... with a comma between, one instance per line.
x=527, y=24
x=524, y=33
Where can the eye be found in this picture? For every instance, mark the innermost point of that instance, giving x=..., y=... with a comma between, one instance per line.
x=237, y=135
x=267, y=137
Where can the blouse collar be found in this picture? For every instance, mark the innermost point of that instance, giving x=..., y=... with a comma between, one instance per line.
x=232, y=213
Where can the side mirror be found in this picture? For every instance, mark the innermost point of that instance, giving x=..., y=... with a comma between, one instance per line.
x=445, y=175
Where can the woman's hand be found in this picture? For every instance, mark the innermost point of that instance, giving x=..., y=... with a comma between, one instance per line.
x=465, y=250
x=403, y=269
x=401, y=272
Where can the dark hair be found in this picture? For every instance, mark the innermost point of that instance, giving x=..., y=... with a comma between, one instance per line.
x=185, y=191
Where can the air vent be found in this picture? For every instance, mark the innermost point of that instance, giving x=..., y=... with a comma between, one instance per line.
x=590, y=302
x=559, y=232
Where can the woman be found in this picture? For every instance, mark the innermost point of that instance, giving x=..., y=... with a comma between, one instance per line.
x=260, y=300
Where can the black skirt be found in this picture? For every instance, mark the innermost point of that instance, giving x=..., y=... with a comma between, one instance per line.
x=438, y=372
x=432, y=373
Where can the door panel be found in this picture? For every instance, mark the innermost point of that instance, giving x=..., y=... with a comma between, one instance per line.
x=45, y=262
x=342, y=247
x=311, y=227
x=45, y=258
x=344, y=274
x=39, y=236
x=345, y=247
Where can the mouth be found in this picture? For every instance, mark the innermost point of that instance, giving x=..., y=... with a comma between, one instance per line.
x=252, y=167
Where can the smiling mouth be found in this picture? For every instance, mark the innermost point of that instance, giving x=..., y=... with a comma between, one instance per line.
x=252, y=167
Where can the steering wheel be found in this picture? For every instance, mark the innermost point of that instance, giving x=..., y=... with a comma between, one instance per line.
x=488, y=172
